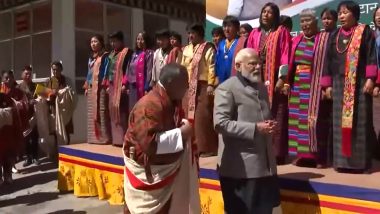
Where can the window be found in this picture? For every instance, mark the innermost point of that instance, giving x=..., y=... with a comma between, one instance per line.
x=42, y=17
x=5, y=55
x=89, y=15
x=6, y=26
x=41, y=57
x=119, y=18
x=82, y=52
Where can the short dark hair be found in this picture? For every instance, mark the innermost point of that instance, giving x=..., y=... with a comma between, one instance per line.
x=197, y=28
x=119, y=35
x=58, y=64
x=231, y=20
x=332, y=12
x=27, y=68
x=247, y=27
x=374, y=16
x=276, y=14
x=164, y=33
x=352, y=6
x=171, y=71
x=217, y=31
x=286, y=21
x=177, y=36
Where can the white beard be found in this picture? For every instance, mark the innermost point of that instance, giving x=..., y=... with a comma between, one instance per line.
x=253, y=77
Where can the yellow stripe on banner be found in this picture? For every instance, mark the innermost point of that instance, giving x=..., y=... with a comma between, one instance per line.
x=88, y=181
x=211, y=201
x=297, y=208
x=334, y=199
x=91, y=161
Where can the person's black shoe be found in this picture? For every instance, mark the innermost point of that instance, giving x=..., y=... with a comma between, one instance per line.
x=27, y=162
x=37, y=162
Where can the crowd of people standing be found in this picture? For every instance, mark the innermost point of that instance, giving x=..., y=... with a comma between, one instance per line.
x=310, y=97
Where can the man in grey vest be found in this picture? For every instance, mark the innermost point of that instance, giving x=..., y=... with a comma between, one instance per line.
x=247, y=166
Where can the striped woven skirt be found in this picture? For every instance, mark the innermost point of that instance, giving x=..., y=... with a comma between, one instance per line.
x=299, y=135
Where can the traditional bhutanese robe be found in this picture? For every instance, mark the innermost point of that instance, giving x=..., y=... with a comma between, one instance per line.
x=175, y=55
x=118, y=101
x=152, y=171
x=347, y=76
x=199, y=62
x=57, y=84
x=138, y=75
x=98, y=121
x=309, y=115
x=223, y=59
x=274, y=51
x=240, y=45
x=376, y=100
x=8, y=116
x=159, y=61
x=11, y=136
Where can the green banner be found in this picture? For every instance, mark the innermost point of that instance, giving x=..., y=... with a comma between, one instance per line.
x=249, y=10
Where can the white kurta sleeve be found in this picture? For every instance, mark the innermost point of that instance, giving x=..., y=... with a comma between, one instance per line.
x=235, y=7
x=5, y=117
x=169, y=142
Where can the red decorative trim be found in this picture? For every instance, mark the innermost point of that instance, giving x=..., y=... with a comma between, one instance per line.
x=209, y=186
x=138, y=184
x=95, y=166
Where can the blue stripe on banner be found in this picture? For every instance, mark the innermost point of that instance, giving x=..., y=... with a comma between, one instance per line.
x=92, y=156
x=208, y=173
x=337, y=190
x=330, y=189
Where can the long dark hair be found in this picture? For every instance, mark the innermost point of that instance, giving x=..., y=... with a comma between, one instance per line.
x=147, y=40
x=101, y=41
x=58, y=64
x=276, y=14
x=374, y=16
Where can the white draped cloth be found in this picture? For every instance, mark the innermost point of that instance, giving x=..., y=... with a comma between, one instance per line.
x=183, y=190
x=6, y=118
x=64, y=109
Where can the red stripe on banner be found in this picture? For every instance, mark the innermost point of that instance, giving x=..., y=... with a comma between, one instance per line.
x=332, y=205
x=138, y=184
x=100, y=167
x=209, y=186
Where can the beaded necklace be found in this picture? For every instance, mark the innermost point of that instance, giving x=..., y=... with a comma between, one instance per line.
x=346, y=42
